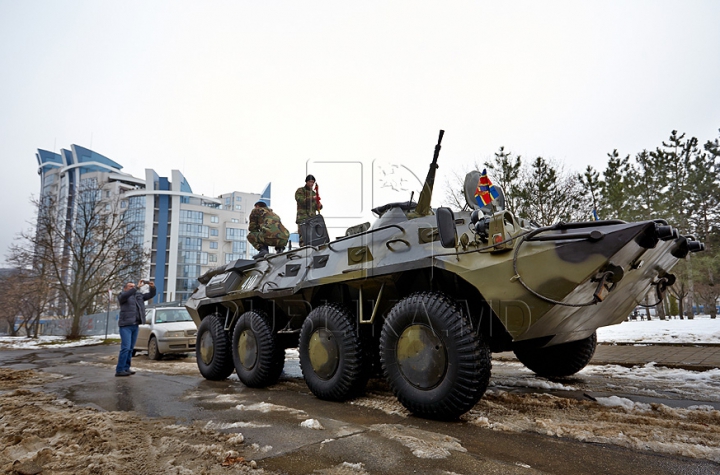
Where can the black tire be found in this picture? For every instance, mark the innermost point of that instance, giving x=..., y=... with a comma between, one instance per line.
x=436, y=365
x=257, y=356
x=560, y=360
x=153, y=352
x=213, y=349
x=331, y=356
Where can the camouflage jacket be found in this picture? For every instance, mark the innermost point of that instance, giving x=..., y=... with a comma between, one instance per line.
x=306, y=204
x=265, y=221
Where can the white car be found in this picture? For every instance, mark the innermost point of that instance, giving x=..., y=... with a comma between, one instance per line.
x=168, y=330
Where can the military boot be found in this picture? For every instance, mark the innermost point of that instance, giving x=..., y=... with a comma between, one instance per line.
x=279, y=249
x=263, y=252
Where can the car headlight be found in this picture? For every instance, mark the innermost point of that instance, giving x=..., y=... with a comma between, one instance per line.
x=174, y=334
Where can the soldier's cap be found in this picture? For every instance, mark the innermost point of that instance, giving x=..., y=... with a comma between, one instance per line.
x=261, y=204
x=310, y=177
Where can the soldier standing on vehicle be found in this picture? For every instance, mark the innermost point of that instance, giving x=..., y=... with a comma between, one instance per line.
x=308, y=202
x=266, y=229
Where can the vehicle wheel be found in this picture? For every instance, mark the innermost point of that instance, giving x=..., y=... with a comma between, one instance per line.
x=331, y=356
x=258, y=358
x=153, y=352
x=213, y=349
x=436, y=365
x=560, y=360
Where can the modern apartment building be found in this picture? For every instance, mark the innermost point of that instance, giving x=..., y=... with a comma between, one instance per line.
x=186, y=233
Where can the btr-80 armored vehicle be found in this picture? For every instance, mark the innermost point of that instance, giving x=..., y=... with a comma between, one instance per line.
x=423, y=296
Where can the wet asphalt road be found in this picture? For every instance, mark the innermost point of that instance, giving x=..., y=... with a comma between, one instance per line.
x=282, y=445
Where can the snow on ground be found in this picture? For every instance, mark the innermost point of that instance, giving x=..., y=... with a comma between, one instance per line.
x=23, y=342
x=701, y=329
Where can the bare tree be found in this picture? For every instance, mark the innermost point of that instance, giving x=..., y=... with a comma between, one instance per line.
x=81, y=249
x=10, y=303
x=681, y=288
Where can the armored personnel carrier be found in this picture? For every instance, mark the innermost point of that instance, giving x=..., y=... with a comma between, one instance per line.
x=423, y=296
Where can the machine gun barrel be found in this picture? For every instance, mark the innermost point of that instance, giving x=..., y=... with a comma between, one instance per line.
x=423, y=206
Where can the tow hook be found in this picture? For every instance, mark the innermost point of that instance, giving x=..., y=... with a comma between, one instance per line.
x=662, y=285
x=607, y=281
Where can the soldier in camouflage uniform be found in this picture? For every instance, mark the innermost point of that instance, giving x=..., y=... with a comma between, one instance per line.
x=307, y=205
x=266, y=229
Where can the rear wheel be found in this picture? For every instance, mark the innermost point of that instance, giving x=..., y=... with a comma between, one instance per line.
x=256, y=354
x=213, y=349
x=435, y=363
x=331, y=357
x=153, y=352
x=560, y=360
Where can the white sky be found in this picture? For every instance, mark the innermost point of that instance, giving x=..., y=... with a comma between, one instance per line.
x=238, y=94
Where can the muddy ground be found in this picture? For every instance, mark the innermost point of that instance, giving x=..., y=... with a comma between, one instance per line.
x=40, y=433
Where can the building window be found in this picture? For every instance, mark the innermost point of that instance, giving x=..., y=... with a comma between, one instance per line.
x=123, y=204
x=212, y=257
x=213, y=245
x=188, y=216
x=235, y=220
x=191, y=244
x=214, y=219
x=214, y=232
x=191, y=257
x=238, y=198
x=232, y=257
x=194, y=230
x=238, y=207
x=232, y=234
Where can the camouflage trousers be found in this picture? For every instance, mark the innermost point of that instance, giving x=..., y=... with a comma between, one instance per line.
x=261, y=238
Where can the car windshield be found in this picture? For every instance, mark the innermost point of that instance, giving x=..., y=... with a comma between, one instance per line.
x=172, y=315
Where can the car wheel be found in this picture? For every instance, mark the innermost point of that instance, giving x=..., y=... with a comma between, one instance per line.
x=213, y=349
x=258, y=358
x=331, y=356
x=436, y=365
x=560, y=360
x=153, y=352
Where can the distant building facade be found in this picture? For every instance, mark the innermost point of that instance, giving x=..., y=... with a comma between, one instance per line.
x=186, y=233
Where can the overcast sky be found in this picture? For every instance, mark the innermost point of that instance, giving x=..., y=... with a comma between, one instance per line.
x=238, y=94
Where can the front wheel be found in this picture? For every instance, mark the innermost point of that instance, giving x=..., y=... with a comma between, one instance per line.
x=436, y=365
x=213, y=349
x=153, y=352
x=560, y=360
x=331, y=356
x=257, y=357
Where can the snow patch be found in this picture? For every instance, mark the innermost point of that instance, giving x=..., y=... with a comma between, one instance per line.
x=627, y=404
x=268, y=407
x=312, y=424
x=423, y=444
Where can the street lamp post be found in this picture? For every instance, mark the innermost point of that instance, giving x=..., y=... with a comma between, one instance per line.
x=107, y=318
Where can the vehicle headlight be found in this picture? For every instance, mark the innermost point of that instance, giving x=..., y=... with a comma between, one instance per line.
x=174, y=334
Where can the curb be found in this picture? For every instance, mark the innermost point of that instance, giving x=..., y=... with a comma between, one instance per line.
x=637, y=343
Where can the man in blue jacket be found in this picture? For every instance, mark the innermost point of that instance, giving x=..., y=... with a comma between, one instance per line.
x=132, y=314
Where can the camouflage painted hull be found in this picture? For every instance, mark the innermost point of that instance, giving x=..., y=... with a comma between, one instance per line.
x=554, y=265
